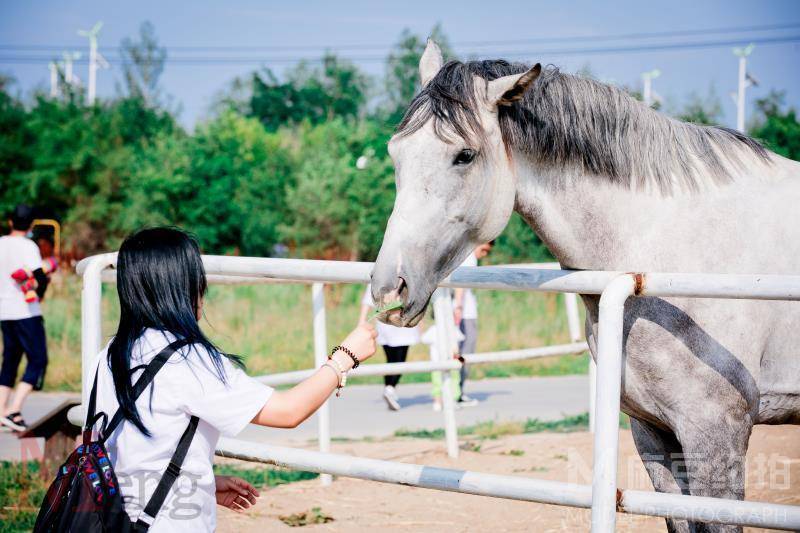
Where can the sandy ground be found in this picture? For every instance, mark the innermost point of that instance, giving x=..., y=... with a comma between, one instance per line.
x=773, y=464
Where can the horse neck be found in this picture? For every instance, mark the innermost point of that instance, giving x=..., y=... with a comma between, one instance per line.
x=570, y=220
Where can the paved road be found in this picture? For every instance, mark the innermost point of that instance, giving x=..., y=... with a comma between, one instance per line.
x=361, y=411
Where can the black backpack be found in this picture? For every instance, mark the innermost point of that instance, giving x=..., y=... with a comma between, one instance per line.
x=85, y=496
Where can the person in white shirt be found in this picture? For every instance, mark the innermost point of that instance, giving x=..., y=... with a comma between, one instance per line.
x=465, y=311
x=20, y=318
x=161, y=283
x=395, y=342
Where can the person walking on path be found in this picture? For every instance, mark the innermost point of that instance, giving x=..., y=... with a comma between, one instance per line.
x=20, y=318
x=465, y=314
x=396, y=342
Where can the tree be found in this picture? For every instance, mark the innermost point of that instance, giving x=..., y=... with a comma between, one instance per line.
x=238, y=175
x=779, y=130
x=142, y=65
x=336, y=209
x=402, y=69
x=315, y=94
x=16, y=158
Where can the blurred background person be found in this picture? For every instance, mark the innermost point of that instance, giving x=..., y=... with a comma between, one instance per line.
x=395, y=341
x=465, y=313
x=21, y=317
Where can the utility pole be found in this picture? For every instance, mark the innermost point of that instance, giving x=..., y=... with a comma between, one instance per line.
x=95, y=59
x=648, y=95
x=745, y=80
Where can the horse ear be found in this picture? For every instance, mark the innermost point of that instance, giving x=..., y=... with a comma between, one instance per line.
x=510, y=89
x=430, y=62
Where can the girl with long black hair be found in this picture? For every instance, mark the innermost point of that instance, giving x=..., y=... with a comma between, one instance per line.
x=161, y=283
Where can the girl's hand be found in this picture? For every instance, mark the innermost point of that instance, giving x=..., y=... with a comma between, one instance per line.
x=235, y=493
x=361, y=341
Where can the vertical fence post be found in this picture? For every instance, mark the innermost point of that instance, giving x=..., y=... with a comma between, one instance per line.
x=574, y=324
x=443, y=311
x=91, y=320
x=609, y=374
x=320, y=356
x=575, y=335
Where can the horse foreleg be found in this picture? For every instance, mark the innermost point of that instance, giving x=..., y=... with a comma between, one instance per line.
x=661, y=452
x=714, y=458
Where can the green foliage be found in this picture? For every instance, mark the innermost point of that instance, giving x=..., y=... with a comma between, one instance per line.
x=519, y=243
x=336, y=89
x=702, y=110
x=779, y=130
x=238, y=177
x=336, y=209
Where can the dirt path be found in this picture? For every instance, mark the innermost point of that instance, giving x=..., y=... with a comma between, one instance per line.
x=773, y=475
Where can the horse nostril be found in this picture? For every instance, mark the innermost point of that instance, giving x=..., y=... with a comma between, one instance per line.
x=402, y=290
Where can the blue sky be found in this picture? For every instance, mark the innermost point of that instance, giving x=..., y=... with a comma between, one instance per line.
x=340, y=24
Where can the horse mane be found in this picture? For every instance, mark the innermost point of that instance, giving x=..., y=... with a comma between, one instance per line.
x=566, y=122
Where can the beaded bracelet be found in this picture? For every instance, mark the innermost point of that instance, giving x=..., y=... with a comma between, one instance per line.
x=346, y=350
x=342, y=373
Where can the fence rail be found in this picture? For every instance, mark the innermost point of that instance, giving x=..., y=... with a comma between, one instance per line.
x=614, y=287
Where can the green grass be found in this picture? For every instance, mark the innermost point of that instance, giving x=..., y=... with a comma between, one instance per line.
x=260, y=476
x=22, y=490
x=493, y=430
x=270, y=325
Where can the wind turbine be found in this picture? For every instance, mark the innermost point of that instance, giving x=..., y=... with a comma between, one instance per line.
x=648, y=94
x=53, y=79
x=69, y=57
x=745, y=81
x=95, y=59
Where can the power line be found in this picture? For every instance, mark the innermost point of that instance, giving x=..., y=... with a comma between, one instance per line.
x=213, y=61
x=383, y=46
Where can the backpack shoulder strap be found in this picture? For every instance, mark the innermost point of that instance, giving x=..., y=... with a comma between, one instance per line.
x=168, y=479
x=144, y=380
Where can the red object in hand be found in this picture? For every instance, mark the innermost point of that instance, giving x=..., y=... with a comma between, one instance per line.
x=21, y=275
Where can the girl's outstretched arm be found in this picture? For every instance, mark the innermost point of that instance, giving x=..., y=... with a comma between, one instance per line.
x=287, y=409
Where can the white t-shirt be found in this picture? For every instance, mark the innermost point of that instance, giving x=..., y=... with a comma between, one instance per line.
x=469, y=307
x=389, y=335
x=184, y=386
x=15, y=253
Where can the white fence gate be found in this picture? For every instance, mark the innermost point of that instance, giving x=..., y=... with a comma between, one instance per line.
x=603, y=496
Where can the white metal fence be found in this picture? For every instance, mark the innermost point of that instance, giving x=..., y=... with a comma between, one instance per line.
x=615, y=288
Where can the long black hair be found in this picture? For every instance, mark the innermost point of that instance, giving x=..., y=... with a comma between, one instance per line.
x=161, y=282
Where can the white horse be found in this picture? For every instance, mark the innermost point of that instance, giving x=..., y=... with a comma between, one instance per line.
x=609, y=184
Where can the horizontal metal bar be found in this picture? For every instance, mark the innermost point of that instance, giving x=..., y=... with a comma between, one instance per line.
x=383, y=369
x=513, y=278
x=745, y=513
x=419, y=367
x=110, y=276
x=527, y=353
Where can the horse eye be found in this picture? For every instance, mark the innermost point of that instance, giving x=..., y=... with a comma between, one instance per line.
x=465, y=157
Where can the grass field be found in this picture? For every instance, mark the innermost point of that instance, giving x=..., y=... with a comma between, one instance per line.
x=270, y=325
